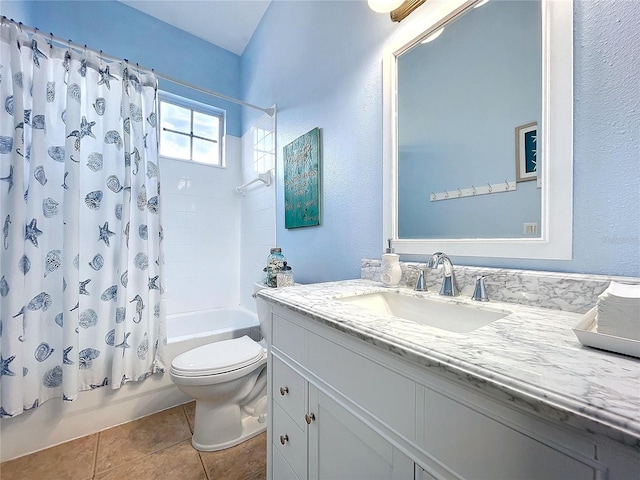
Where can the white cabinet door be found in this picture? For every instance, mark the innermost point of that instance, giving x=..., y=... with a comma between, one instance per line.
x=477, y=447
x=342, y=447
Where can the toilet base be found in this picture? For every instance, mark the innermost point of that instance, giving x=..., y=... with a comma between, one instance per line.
x=217, y=427
x=251, y=426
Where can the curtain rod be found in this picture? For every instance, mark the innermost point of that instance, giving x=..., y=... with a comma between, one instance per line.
x=76, y=46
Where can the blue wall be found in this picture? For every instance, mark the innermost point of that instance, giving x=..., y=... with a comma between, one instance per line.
x=321, y=63
x=124, y=32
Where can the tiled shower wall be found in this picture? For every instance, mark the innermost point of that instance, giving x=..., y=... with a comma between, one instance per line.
x=216, y=241
x=258, y=222
x=201, y=219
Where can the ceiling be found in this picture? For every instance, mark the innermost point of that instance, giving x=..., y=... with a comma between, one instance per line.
x=226, y=23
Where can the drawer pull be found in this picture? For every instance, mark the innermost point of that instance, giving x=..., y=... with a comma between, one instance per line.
x=309, y=417
x=284, y=391
x=284, y=439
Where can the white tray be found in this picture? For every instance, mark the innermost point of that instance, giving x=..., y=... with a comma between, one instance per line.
x=587, y=335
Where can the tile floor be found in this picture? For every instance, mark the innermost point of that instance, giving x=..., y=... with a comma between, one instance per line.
x=153, y=447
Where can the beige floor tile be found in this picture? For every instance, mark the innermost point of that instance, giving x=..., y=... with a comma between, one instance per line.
x=119, y=445
x=239, y=462
x=69, y=461
x=179, y=462
x=261, y=475
x=190, y=410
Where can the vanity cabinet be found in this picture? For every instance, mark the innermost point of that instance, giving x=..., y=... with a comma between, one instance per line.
x=344, y=409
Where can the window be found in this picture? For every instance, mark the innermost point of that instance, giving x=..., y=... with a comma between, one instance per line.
x=190, y=131
x=263, y=146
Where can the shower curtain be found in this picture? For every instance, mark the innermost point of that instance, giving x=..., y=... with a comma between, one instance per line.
x=81, y=259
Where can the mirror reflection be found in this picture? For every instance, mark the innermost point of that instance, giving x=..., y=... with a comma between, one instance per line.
x=469, y=110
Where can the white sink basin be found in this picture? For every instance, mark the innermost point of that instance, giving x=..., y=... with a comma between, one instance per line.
x=426, y=311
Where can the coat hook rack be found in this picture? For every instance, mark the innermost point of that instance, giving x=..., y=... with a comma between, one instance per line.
x=473, y=191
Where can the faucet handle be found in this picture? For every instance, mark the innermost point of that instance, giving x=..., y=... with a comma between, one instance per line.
x=420, y=283
x=480, y=291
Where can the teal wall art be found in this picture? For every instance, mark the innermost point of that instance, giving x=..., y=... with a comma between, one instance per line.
x=301, y=181
x=526, y=148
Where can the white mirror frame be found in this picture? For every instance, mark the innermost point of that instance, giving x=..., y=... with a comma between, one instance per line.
x=555, y=241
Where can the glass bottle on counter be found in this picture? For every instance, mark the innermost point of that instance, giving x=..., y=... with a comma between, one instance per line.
x=275, y=262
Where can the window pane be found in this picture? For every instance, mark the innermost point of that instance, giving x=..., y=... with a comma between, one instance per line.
x=205, y=125
x=205, y=152
x=268, y=142
x=174, y=117
x=174, y=145
x=269, y=162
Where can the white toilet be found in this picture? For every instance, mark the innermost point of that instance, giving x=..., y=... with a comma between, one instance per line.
x=228, y=380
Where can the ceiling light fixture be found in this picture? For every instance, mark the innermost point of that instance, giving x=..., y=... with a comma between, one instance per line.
x=384, y=6
x=405, y=9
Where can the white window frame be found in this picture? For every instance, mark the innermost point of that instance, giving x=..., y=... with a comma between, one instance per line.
x=195, y=106
x=259, y=134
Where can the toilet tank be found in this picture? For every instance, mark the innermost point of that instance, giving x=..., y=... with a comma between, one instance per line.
x=262, y=308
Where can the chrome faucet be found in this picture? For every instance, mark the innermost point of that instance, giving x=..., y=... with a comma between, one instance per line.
x=449, y=287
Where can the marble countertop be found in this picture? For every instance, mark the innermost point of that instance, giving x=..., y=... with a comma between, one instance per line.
x=531, y=357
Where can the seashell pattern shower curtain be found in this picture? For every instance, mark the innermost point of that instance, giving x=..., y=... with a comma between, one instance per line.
x=81, y=301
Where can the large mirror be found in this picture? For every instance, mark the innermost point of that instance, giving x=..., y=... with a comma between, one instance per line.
x=478, y=131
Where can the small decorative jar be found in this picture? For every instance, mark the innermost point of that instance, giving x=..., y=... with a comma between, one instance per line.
x=285, y=276
x=275, y=262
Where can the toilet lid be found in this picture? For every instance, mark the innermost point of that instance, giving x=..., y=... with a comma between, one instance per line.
x=219, y=357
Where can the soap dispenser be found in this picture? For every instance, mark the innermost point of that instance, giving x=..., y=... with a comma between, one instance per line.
x=390, y=271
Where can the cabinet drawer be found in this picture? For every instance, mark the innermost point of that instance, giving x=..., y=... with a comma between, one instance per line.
x=478, y=447
x=289, y=390
x=280, y=468
x=290, y=338
x=290, y=441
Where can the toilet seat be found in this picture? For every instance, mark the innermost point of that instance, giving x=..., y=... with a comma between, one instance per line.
x=218, y=358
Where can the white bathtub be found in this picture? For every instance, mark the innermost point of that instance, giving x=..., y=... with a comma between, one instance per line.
x=186, y=331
